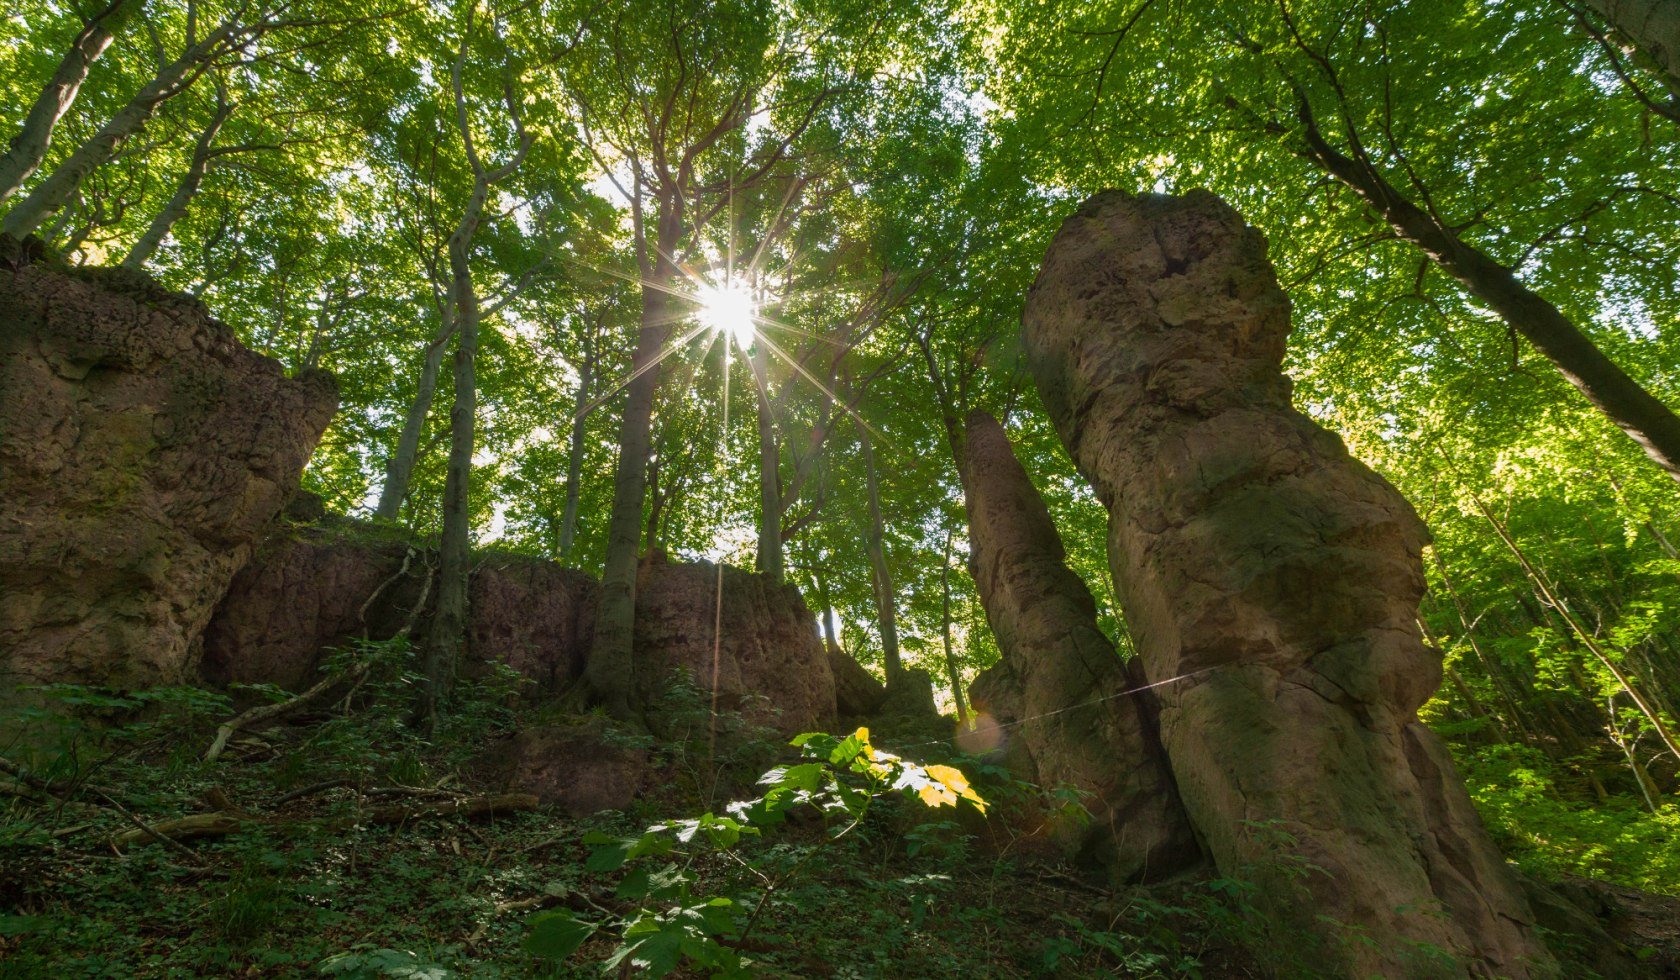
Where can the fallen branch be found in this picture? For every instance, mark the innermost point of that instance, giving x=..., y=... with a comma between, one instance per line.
x=269, y=712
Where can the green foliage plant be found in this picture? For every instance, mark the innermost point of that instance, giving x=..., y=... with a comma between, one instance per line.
x=679, y=922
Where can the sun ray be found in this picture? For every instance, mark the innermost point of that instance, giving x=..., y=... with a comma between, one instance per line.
x=652, y=363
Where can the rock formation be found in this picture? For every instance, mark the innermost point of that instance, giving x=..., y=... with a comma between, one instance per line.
x=857, y=694
x=310, y=589
x=1079, y=719
x=306, y=589
x=771, y=665
x=143, y=452
x=1272, y=582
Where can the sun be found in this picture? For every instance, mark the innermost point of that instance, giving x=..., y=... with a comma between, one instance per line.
x=728, y=307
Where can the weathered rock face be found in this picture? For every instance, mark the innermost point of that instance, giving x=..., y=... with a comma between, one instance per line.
x=857, y=693
x=1080, y=717
x=311, y=589
x=302, y=594
x=579, y=767
x=306, y=590
x=536, y=616
x=1273, y=583
x=771, y=665
x=142, y=453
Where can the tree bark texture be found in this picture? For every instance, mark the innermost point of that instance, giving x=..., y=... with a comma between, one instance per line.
x=1652, y=29
x=29, y=147
x=610, y=675
x=185, y=191
x=174, y=78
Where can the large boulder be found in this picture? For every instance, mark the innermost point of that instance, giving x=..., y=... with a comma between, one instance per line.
x=306, y=591
x=857, y=692
x=767, y=659
x=143, y=453
x=310, y=589
x=1271, y=583
x=1075, y=716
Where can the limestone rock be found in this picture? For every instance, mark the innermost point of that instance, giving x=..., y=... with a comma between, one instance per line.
x=1078, y=716
x=1272, y=583
x=857, y=694
x=143, y=452
x=771, y=666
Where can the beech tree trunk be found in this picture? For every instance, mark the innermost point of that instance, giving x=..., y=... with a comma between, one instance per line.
x=399, y=468
x=174, y=78
x=610, y=673
x=449, y=622
x=1637, y=412
x=770, y=559
x=29, y=147
x=574, y=456
x=953, y=674
x=880, y=576
x=1652, y=29
x=185, y=191
x=448, y=630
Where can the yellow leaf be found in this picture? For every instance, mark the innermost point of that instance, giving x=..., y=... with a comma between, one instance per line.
x=936, y=794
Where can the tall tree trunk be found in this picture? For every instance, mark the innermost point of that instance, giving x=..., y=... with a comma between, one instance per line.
x=609, y=674
x=29, y=147
x=399, y=469
x=770, y=553
x=174, y=78
x=449, y=623
x=185, y=191
x=1651, y=28
x=830, y=634
x=880, y=576
x=1637, y=412
x=952, y=674
x=574, y=457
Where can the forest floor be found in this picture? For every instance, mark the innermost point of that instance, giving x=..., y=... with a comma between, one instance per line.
x=307, y=883
x=342, y=861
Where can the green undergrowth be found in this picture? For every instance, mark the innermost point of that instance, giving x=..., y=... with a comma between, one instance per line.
x=309, y=887
x=1549, y=833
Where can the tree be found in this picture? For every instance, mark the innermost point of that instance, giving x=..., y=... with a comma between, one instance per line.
x=29, y=147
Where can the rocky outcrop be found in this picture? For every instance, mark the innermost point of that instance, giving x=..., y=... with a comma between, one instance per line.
x=311, y=589
x=1272, y=584
x=305, y=592
x=583, y=767
x=857, y=693
x=536, y=616
x=770, y=665
x=1078, y=718
x=143, y=452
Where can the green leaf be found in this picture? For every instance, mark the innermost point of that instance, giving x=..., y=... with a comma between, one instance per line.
x=555, y=934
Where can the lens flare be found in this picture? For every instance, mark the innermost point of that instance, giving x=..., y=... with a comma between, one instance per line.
x=728, y=308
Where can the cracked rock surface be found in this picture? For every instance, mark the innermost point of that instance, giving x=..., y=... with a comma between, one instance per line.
x=1077, y=717
x=1272, y=581
x=143, y=451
